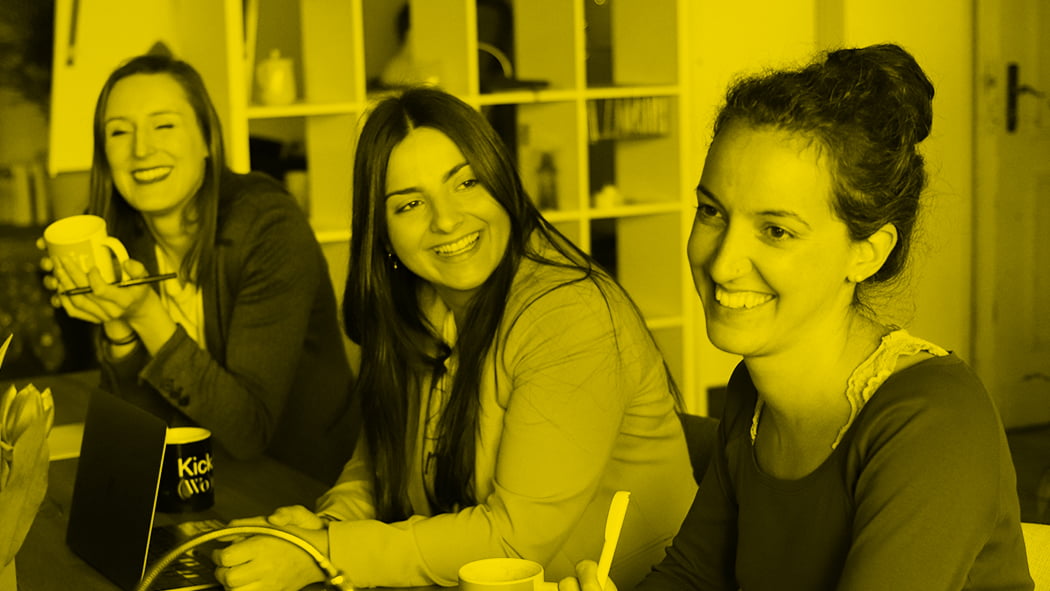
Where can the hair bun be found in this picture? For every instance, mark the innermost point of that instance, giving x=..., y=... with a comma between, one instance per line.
x=885, y=83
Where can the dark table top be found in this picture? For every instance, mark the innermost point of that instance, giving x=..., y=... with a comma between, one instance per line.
x=242, y=489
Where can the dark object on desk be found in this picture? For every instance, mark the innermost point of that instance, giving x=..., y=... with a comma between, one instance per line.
x=46, y=340
x=111, y=518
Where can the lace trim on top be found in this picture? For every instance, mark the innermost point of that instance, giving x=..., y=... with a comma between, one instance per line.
x=869, y=375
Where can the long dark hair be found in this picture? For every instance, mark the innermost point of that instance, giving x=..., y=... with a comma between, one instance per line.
x=124, y=221
x=382, y=315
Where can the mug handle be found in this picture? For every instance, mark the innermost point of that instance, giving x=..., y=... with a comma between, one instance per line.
x=117, y=248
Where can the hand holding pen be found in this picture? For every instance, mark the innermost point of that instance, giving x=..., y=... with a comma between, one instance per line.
x=90, y=296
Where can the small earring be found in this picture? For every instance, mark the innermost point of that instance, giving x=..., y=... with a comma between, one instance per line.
x=855, y=279
x=393, y=259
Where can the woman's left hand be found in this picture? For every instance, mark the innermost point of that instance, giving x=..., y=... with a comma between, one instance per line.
x=266, y=563
x=106, y=302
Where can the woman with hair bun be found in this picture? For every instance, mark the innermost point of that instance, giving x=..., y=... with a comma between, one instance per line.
x=851, y=454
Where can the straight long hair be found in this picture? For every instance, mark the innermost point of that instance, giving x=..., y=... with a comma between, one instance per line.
x=124, y=221
x=381, y=313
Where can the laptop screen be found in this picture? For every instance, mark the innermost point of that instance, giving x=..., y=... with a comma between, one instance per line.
x=115, y=490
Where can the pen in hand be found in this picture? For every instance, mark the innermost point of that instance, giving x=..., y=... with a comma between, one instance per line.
x=128, y=283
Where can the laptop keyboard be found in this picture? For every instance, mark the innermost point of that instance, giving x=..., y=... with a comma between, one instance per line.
x=191, y=569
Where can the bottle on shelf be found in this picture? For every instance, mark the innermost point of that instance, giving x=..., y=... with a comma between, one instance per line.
x=547, y=182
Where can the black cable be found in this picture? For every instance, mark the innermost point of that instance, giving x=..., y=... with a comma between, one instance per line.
x=334, y=578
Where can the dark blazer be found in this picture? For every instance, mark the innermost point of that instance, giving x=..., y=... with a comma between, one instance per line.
x=273, y=375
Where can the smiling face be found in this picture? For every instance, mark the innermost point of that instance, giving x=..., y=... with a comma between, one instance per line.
x=769, y=257
x=154, y=145
x=443, y=225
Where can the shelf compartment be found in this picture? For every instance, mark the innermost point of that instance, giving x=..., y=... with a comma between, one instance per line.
x=632, y=43
x=646, y=256
x=629, y=118
x=333, y=56
x=547, y=152
x=524, y=44
x=639, y=169
x=444, y=40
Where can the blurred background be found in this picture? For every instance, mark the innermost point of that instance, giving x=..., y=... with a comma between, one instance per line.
x=607, y=105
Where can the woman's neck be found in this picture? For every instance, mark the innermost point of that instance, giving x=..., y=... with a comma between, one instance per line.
x=172, y=235
x=806, y=385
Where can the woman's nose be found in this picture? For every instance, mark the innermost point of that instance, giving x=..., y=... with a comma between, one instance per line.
x=731, y=257
x=143, y=144
x=447, y=213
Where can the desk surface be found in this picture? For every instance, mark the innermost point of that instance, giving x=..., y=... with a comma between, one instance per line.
x=242, y=489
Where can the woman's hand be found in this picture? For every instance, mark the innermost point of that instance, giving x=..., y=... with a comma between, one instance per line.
x=106, y=302
x=266, y=563
x=121, y=310
x=586, y=579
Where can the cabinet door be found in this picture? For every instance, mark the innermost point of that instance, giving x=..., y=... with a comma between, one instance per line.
x=92, y=38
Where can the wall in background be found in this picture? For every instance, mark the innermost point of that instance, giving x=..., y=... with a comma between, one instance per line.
x=941, y=37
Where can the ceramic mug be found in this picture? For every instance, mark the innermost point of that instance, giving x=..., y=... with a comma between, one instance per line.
x=83, y=239
x=186, y=474
x=503, y=574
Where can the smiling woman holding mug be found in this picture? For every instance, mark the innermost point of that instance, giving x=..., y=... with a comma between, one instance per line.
x=245, y=341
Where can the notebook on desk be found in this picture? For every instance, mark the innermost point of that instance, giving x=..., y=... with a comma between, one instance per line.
x=111, y=518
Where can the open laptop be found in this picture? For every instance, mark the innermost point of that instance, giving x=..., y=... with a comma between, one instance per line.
x=111, y=519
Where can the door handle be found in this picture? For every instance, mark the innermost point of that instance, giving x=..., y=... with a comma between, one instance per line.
x=1015, y=89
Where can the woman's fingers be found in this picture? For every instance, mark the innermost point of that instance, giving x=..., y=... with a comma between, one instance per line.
x=83, y=307
x=134, y=269
x=296, y=515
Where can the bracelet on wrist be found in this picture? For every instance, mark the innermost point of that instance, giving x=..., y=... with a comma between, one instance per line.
x=131, y=338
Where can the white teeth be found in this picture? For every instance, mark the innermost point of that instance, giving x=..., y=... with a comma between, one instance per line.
x=150, y=175
x=462, y=245
x=741, y=299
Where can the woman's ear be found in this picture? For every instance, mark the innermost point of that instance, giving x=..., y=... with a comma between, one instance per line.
x=871, y=252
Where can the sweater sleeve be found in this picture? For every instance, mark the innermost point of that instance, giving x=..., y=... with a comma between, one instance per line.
x=351, y=498
x=241, y=399
x=931, y=489
x=567, y=396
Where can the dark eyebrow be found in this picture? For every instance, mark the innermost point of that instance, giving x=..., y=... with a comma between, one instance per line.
x=707, y=193
x=444, y=179
x=782, y=213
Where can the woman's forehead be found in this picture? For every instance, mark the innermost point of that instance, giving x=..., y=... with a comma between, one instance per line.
x=147, y=93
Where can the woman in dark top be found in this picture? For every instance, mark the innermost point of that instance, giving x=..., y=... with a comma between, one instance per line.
x=851, y=455
x=245, y=342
